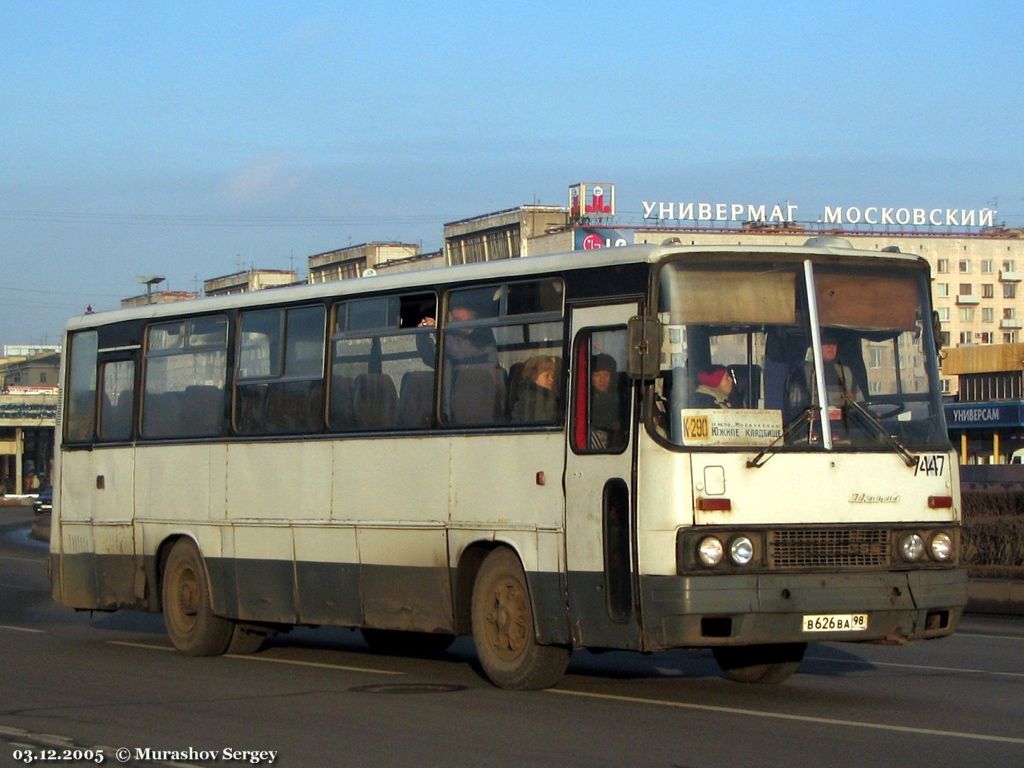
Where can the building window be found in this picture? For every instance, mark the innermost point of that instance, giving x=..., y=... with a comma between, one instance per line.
x=1009, y=313
x=945, y=386
x=943, y=313
x=988, y=291
x=1009, y=290
x=966, y=314
x=988, y=314
x=965, y=289
x=985, y=337
x=1009, y=265
x=965, y=337
x=1009, y=337
x=986, y=266
x=942, y=266
x=964, y=266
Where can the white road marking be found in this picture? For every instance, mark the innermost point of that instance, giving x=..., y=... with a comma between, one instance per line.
x=796, y=718
x=923, y=667
x=22, y=629
x=268, y=659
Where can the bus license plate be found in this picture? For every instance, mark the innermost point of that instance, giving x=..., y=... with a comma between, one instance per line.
x=835, y=622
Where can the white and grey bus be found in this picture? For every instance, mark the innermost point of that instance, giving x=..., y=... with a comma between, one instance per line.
x=646, y=448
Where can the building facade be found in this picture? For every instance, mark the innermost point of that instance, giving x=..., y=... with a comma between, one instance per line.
x=354, y=260
x=28, y=413
x=249, y=280
x=506, y=234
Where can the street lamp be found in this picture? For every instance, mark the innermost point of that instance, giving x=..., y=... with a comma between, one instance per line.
x=149, y=281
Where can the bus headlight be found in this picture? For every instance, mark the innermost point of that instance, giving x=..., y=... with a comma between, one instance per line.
x=741, y=550
x=911, y=547
x=941, y=547
x=710, y=551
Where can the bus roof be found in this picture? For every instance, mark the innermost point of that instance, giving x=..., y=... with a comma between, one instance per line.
x=507, y=268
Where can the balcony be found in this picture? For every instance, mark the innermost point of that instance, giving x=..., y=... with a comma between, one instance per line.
x=1010, y=277
x=1011, y=323
x=965, y=298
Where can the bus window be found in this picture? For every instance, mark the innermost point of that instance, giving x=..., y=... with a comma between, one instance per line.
x=118, y=400
x=80, y=409
x=382, y=362
x=601, y=396
x=502, y=355
x=279, y=389
x=186, y=366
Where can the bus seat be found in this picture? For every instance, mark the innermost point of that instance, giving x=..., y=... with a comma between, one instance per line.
x=416, y=401
x=161, y=415
x=478, y=394
x=204, y=406
x=515, y=377
x=340, y=415
x=749, y=380
x=374, y=401
x=294, y=407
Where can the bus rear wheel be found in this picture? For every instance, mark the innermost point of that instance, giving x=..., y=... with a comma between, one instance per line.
x=191, y=624
x=503, y=628
x=766, y=664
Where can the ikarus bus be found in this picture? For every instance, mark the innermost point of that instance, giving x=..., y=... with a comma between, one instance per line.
x=739, y=448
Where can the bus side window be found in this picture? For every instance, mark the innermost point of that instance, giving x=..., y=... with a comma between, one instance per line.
x=185, y=358
x=81, y=400
x=280, y=380
x=118, y=400
x=382, y=364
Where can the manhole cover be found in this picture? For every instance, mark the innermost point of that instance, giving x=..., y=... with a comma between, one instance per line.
x=408, y=688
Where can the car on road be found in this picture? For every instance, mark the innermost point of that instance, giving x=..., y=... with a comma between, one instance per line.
x=43, y=503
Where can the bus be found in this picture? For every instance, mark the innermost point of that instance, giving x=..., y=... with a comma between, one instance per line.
x=650, y=447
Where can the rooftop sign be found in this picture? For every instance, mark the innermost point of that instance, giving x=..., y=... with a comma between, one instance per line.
x=875, y=215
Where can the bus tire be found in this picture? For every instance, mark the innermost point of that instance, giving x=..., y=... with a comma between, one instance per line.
x=765, y=664
x=503, y=628
x=191, y=624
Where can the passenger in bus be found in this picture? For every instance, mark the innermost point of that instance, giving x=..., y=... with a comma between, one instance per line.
x=470, y=349
x=461, y=345
x=537, y=396
x=839, y=381
x=716, y=388
x=605, y=403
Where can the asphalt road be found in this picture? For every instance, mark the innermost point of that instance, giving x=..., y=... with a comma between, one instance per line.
x=109, y=682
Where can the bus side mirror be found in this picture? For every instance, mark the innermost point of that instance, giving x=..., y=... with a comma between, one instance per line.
x=644, y=348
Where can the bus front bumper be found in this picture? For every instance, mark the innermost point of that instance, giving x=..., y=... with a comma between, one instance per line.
x=703, y=611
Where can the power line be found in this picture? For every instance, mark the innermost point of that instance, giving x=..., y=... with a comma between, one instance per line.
x=206, y=220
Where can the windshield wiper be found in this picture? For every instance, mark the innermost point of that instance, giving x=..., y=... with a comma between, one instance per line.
x=773, y=447
x=879, y=429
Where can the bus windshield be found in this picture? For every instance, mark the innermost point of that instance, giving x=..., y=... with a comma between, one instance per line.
x=750, y=360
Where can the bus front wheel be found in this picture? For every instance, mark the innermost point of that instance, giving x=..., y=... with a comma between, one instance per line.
x=188, y=617
x=768, y=664
x=503, y=628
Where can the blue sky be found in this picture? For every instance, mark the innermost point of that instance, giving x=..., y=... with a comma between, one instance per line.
x=191, y=139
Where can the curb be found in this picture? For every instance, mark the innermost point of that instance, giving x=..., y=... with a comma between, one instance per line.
x=995, y=596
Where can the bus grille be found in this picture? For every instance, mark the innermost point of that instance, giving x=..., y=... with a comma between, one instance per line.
x=828, y=547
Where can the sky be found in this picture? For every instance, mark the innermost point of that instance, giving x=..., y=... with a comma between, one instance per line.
x=192, y=140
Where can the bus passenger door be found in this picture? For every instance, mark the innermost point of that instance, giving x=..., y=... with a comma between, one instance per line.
x=599, y=519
